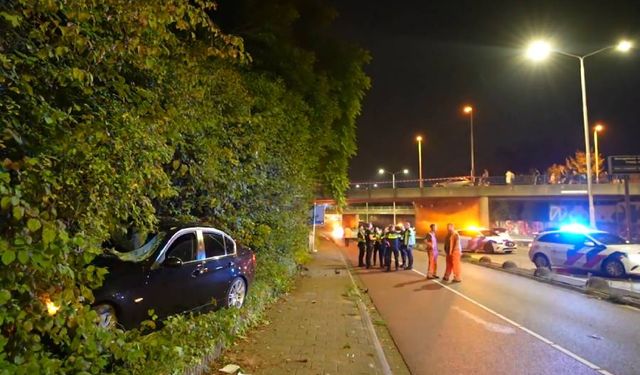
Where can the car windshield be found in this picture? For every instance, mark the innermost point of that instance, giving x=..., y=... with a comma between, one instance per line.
x=144, y=252
x=609, y=239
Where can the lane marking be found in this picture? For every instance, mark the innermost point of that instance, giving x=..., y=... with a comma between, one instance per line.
x=386, y=369
x=493, y=327
x=523, y=328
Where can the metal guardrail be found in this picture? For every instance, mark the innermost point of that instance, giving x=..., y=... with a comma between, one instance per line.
x=465, y=181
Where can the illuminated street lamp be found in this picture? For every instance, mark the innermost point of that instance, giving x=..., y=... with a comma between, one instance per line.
x=381, y=171
x=540, y=50
x=419, y=139
x=597, y=129
x=469, y=111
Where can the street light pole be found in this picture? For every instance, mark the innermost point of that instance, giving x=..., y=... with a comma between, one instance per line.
x=539, y=51
x=469, y=110
x=419, y=139
x=596, y=129
x=587, y=146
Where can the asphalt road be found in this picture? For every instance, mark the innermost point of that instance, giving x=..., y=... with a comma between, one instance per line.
x=498, y=323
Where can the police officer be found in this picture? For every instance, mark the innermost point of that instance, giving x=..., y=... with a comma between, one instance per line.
x=377, y=245
x=384, y=247
x=403, y=248
x=394, y=244
x=362, y=245
x=369, y=240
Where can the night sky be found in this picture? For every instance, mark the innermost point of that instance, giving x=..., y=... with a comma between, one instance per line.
x=431, y=57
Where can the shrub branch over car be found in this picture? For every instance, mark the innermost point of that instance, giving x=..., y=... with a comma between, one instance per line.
x=116, y=113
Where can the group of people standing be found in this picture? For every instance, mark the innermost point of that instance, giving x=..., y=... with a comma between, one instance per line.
x=375, y=243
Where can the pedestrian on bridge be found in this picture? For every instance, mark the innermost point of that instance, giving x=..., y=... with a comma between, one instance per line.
x=432, y=252
x=409, y=240
x=454, y=252
x=394, y=244
x=362, y=245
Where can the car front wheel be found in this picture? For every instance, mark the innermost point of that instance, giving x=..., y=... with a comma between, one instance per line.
x=237, y=293
x=488, y=248
x=106, y=316
x=613, y=268
x=541, y=261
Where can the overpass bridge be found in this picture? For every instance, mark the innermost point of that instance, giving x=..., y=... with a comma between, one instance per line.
x=537, y=205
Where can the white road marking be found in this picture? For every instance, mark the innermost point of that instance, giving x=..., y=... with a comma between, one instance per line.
x=493, y=327
x=524, y=329
x=386, y=369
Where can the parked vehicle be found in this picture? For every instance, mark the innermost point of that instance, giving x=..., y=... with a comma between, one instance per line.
x=455, y=182
x=487, y=240
x=179, y=269
x=585, y=249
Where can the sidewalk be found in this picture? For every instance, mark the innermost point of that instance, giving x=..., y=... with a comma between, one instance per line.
x=316, y=329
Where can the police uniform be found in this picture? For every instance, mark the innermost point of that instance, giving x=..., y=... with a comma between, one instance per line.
x=362, y=244
x=394, y=244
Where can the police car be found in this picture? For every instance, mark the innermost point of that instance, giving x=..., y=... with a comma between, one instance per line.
x=487, y=240
x=577, y=247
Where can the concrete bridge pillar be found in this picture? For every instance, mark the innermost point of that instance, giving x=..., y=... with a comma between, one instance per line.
x=484, y=212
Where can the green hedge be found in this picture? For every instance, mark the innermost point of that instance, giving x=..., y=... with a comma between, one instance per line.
x=115, y=113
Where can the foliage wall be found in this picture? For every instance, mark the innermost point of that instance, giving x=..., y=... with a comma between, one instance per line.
x=115, y=113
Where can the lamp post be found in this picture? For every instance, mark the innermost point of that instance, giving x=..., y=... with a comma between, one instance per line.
x=469, y=110
x=419, y=139
x=597, y=129
x=381, y=171
x=540, y=50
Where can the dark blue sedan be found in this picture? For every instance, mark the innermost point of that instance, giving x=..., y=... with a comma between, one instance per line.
x=180, y=269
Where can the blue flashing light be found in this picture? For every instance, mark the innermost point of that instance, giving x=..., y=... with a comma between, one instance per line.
x=575, y=228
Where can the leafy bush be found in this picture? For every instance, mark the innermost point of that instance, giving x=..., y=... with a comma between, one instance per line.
x=116, y=113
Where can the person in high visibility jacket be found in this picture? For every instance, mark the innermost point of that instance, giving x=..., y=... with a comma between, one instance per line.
x=369, y=236
x=454, y=252
x=432, y=252
x=362, y=245
x=377, y=245
x=409, y=241
x=384, y=247
x=394, y=244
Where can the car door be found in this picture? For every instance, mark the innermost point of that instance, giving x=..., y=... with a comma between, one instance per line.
x=572, y=245
x=553, y=247
x=219, y=263
x=464, y=240
x=171, y=282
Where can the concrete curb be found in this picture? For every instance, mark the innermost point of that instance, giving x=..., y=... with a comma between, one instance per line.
x=595, y=286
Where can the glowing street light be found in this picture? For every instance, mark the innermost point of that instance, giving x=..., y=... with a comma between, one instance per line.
x=539, y=50
x=381, y=171
x=419, y=139
x=597, y=129
x=469, y=111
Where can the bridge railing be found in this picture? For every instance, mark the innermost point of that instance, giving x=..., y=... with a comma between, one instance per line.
x=465, y=181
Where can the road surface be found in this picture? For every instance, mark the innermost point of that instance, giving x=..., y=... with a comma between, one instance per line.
x=498, y=323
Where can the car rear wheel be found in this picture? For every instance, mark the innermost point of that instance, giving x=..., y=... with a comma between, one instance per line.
x=613, y=268
x=106, y=316
x=237, y=293
x=488, y=248
x=541, y=261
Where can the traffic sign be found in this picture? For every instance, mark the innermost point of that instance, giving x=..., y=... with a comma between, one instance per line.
x=624, y=164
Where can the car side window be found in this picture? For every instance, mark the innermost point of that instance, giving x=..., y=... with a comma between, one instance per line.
x=214, y=244
x=572, y=238
x=551, y=238
x=184, y=247
x=229, y=243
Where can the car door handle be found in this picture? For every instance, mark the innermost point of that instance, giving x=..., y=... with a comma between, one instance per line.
x=200, y=270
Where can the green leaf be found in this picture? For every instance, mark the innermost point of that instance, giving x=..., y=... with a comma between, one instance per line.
x=23, y=256
x=5, y=202
x=18, y=212
x=14, y=20
x=48, y=235
x=8, y=257
x=5, y=296
x=33, y=225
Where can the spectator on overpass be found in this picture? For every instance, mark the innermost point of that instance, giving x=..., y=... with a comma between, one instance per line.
x=454, y=252
x=509, y=177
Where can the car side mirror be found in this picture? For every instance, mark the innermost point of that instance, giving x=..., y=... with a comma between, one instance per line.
x=589, y=244
x=173, y=262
